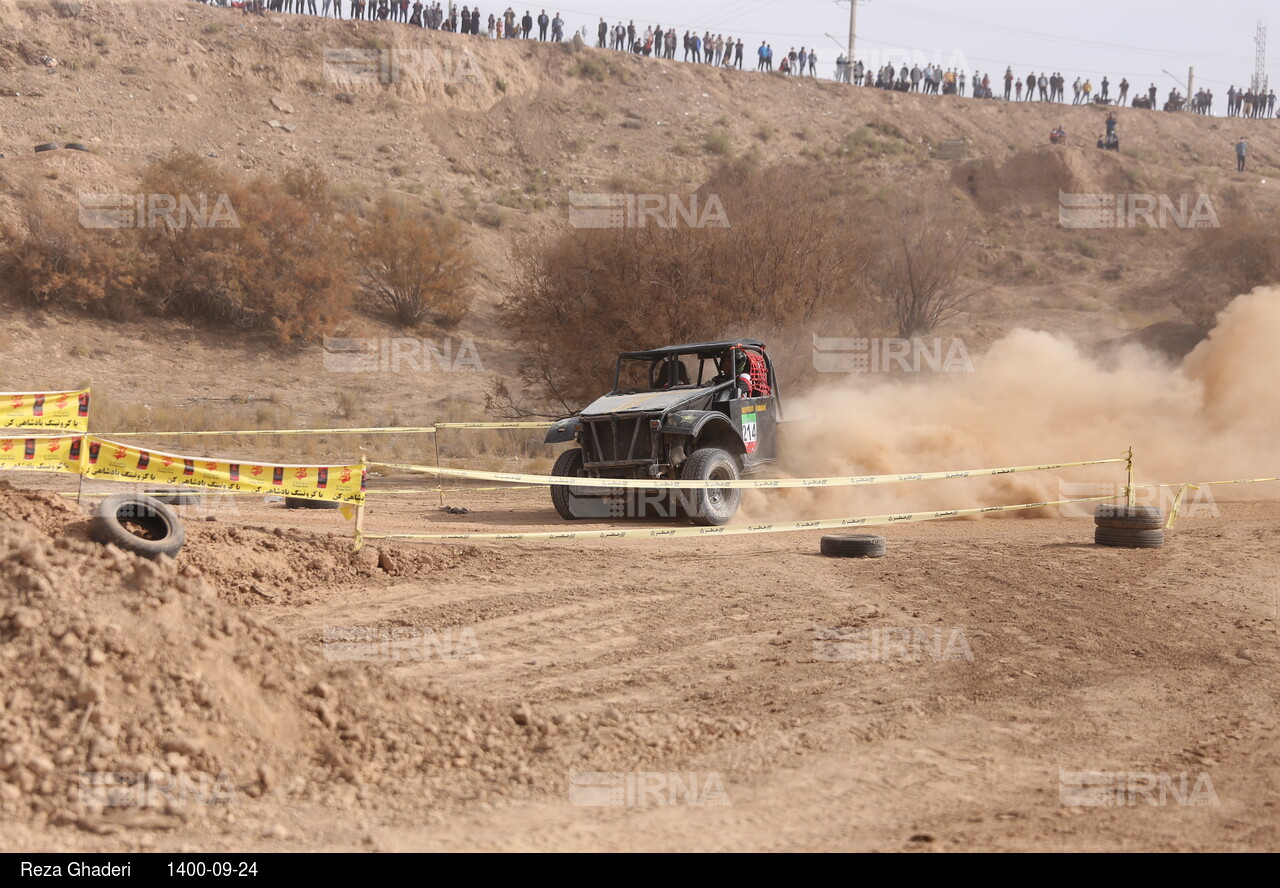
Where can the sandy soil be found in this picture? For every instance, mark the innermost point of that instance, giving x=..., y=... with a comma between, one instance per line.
x=1082, y=659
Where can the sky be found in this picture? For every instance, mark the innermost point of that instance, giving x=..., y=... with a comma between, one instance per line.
x=1092, y=38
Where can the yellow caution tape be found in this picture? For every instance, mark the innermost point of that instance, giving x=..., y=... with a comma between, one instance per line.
x=1212, y=483
x=462, y=489
x=494, y=425
x=1177, y=504
x=746, y=484
x=1129, y=490
x=736, y=530
x=425, y=430
x=371, y=492
x=430, y=430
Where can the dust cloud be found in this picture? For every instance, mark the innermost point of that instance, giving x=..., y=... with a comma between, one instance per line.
x=1034, y=398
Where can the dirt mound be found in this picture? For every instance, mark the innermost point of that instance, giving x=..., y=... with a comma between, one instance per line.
x=45, y=512
x=1033, y=179
x=69, y=172
x=55, y=177
x=251, y=566
x=134, y=697
x=254, y=565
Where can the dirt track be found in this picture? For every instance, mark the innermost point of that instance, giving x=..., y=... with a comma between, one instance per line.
x=1083, y=659
x=1158, y=662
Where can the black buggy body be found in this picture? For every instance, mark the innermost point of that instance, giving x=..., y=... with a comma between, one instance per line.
x=707, y=411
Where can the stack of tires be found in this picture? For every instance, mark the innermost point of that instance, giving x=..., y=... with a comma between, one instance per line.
x=1129, y=527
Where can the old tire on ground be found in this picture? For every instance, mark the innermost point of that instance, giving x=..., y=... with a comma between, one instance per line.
x=1119, y=538
x=568, y=465
x=1131, y=523
x=138, y=524
x=854, y=546
x=75, y=146
x=299, y=502
x=47, y=146
x=1111, y=510
x=1129, y=517
x=713, y=507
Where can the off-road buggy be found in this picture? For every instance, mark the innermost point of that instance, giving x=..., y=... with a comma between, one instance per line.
x=702, y=412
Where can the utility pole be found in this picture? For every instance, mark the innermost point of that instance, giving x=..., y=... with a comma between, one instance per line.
x=853, y=27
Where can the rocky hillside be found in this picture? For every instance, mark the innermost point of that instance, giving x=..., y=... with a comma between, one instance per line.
x=502, y=133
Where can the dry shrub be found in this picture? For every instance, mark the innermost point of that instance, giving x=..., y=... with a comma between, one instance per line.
x=924, y=246
x=262, y=255
x=787, y=264
x=415, y=267
x=57, y=263
x=281, y=266
x=1225, y=263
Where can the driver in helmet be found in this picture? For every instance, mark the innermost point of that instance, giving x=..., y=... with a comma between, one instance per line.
x=735, y=368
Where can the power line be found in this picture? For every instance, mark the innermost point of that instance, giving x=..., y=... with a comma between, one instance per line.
x=707, y=16
x=760, y=6
x=964, y=22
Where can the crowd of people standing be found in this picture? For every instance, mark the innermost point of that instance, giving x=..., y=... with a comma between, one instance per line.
x=933, y=80
x=728, y=52
x=1250, y=102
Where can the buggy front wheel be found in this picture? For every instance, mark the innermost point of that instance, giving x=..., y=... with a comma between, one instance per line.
x=569, y=465
x=713, y=506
